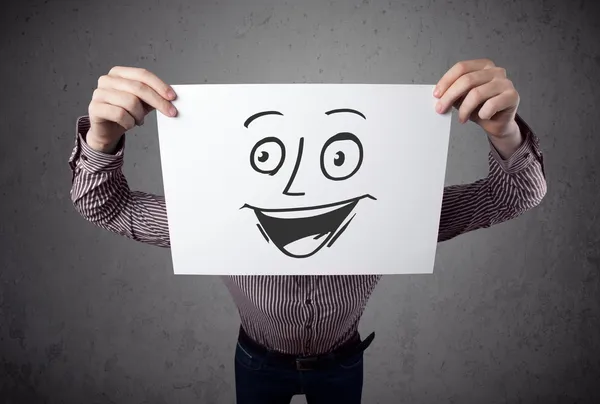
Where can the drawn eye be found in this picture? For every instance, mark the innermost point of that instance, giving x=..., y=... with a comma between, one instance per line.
x=341, y=157
x=267, y=155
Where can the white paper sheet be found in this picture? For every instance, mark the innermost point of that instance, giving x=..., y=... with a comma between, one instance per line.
x=300, y=179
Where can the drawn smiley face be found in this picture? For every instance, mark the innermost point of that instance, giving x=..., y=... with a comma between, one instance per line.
x=300, y=232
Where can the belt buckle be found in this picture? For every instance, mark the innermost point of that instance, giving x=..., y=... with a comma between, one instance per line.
x=305, y=363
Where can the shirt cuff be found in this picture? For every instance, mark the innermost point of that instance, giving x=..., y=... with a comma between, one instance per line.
x=90, y=160
x=525, y=155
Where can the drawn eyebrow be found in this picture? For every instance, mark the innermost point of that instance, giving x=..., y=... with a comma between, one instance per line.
x=259, y=114
x=352, y=111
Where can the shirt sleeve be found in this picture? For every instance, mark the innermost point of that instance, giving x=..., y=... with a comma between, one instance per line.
x=512, y=187
x=101, y=194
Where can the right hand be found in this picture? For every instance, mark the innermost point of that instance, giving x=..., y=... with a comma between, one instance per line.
x=123, y=98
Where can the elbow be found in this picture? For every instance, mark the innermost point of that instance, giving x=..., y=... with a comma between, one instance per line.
x=82, y=205
x=528, y=200
x=538, y=187
x=83, y=212
x=521, y=201
x=94, y=210
x=78, y=204
x=80, y=199
x=541, y=193
x=89, y=213
x=537, y=195
x=529, y=192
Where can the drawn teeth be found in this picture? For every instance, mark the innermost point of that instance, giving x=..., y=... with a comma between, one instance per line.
x=301, y=213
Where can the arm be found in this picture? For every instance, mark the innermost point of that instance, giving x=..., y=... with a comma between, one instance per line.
x=102, y=196
x=513, y=186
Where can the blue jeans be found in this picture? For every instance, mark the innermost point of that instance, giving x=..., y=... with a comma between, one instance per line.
x=260, y=381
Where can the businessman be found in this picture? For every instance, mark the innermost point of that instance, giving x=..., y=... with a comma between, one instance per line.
x=299, y=334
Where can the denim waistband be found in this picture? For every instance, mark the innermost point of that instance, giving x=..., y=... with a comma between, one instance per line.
x=351, y=347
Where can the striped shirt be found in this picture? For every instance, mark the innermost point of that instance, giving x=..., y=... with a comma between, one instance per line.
x=303, y=315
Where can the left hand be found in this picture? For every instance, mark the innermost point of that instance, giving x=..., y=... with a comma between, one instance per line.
x=483, y=94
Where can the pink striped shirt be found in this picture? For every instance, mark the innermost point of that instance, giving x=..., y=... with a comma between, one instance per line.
x=302, y=314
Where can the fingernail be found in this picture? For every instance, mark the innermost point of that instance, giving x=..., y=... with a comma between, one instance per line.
x=438, y=107
x=172, y=111
x=436, y=92
x=171, y=94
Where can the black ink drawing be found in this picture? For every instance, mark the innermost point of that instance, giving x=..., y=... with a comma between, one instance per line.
x=301, y=232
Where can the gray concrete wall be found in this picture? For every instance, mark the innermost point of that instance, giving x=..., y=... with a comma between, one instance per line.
x=511, y=313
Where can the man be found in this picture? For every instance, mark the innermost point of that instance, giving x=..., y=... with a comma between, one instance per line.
x=298, y=334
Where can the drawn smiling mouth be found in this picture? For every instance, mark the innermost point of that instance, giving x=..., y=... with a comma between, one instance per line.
x=302, y=232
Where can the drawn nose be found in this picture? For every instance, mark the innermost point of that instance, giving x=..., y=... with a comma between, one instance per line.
x=288, y=191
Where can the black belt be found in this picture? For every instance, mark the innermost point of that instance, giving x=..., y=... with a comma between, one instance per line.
x=349, y=348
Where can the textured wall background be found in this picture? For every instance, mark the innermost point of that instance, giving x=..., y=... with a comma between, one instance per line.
x=511, y=313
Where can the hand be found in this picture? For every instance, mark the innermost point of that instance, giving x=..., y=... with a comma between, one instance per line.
x=121, y=101
x=483, y=94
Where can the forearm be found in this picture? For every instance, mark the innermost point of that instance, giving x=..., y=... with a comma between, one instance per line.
x=514, y=185
x=508, y=144
x=106, y=200
x=96, y=145
x=101, y=194
x=465, y=208
x=102, y=198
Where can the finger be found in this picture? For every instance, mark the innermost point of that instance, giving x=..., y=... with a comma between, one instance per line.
x=465, y=83
x=503, y=101
x=140, y=90
x=127, y=101
x=146, y=77
x=477, y=96
x=460, y=69
x=111, y=113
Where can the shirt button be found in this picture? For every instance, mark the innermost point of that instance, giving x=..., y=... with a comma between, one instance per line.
x=308, y=326
x=84, y=158
x=308, y=301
